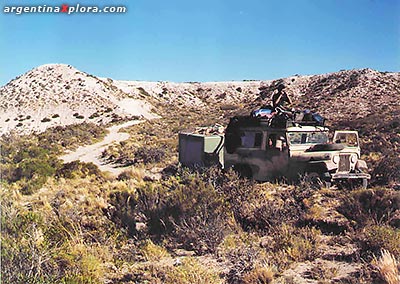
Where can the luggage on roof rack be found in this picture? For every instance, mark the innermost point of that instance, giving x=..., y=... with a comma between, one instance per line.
x=278, y=118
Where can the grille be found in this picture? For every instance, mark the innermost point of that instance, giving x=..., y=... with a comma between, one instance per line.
x=344, y=163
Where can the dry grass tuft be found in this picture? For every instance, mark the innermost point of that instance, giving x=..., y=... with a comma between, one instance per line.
x=262, y=274
x=153, y=252
x=387, y=267
x=132, y=173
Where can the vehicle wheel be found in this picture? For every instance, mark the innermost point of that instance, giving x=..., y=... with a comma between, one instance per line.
x=314, y=179
x=244, y=171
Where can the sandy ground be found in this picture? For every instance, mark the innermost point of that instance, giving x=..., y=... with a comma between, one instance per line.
x=92, y=153
x=137, y=107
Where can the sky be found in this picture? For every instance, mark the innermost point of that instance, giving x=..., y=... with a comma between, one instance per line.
x=208, y=40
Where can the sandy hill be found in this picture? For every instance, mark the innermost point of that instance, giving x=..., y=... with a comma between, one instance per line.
x=341, y=95
x=59, y=94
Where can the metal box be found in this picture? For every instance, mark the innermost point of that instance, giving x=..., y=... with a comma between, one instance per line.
x=201, y=150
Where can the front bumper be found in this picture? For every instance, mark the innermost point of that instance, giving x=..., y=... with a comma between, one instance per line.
x=350, y=176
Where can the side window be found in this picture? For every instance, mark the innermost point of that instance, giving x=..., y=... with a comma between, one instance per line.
x=350, y=139
x=251, y=139
x=276, y=141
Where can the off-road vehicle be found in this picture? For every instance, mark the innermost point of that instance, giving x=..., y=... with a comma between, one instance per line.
x=270, y=147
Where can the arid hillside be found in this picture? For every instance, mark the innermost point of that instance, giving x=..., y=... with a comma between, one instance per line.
x=126, y=212
x=60, y=95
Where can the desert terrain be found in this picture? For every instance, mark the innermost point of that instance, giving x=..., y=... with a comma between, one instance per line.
x=92, y=191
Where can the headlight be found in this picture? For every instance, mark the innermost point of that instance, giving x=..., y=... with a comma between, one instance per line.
x=353, y=159
x=336, y=159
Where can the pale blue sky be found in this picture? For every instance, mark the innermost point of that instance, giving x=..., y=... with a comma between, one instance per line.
x=209, y=40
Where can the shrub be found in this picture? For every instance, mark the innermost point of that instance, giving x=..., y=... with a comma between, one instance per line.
x=94, y=115
x=123, y=210
x=187, y=209
x=243, y=246
x=132, y=173
x=191, y=271
x=260, y=274
x=26, y=162
x=24, y=251
x=374, y=238
x=299, y=244
x=84, y=263
x=152, y=252
x=387, y=170
x=46, y=119
x=371, y=206
x=70, y=136
x=149, y=155
x=77, y=169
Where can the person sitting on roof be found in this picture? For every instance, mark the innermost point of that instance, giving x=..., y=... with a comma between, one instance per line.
x=280, y=97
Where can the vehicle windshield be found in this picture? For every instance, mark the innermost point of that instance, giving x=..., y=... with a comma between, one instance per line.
x=298, y=138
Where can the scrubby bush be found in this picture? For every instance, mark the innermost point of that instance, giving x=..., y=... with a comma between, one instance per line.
x=375, y=238
x=70, y=136
x=25, y=163
x=261, y=274
x=189, y=270
x=77, y=169
x=298, y=243
x=387, y=171
x=123, y=211
x=132, y=173
x=152, y=252
x=149, y=155
x=371, y=206
x=187, y=209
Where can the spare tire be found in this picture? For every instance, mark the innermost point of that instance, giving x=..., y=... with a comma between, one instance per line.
x=232, y=141
x=326, y=147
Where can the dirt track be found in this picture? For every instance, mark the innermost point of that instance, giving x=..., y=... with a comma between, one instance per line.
x=92, y=153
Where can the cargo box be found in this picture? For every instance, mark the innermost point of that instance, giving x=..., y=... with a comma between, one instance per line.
x=199, y=150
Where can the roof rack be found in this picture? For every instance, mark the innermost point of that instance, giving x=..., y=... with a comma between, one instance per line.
x=280, y=120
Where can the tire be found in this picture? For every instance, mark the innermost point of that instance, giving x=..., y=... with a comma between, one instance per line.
x=244, y=171
x=314, y=180
x=326, y=147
